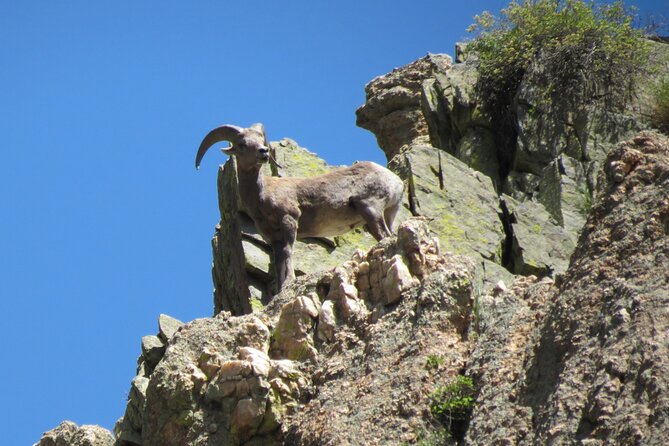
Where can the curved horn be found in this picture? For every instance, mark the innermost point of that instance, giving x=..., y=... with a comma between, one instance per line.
x=222, y=133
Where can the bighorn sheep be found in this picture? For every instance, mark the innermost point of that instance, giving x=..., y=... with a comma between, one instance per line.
x=284, y=209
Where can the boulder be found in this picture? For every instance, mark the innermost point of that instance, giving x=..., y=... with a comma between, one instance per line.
x=392, y=110
x=167, y=327
x=153, y=349
x=69, y=434
x=539, y=246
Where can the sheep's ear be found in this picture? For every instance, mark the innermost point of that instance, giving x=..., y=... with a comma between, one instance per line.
x=229, y=150
x=259, y=128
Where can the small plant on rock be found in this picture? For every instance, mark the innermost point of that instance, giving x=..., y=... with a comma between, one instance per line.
x=586, y=200
x=661, y=109
x=435, y=438
x=434, y=361
x=452, y=404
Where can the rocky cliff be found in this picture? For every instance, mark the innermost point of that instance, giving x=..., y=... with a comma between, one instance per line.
x=539, y=272
x=584, y=360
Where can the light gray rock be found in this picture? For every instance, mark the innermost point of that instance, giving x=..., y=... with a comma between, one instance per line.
x=128, y=429
x=69, y=434
x=167, y=327
x=397, y=280
x=540, y=246
x=327, y=322
x=295, y=161
x=257, y=260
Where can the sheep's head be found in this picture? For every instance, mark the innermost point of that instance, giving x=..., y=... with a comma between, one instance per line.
x=248, y=145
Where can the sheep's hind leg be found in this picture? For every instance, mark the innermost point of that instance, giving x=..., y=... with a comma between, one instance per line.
x=375, y=222
x=389, y=216
x=283, y=263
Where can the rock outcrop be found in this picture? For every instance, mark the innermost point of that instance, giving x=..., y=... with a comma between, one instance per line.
x=392, y=110
x=68, y=433
x=343, y=348
x=548, y=161
x=129, y=427
x=584, y=361
x=516, y=202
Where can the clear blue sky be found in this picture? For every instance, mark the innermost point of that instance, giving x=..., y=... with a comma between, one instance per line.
x=105, y=223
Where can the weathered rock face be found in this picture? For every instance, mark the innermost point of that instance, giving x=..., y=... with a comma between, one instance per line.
x=334, y=350
x=608, y=330
x=551, y=157
x=536, y=245
x=69, y=434
x=461, y=203
x=587, y=361
x=517, y=201
x=373, y=381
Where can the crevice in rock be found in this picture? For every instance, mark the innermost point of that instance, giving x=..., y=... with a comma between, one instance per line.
x=507, y=139
x=324, y=242
x=411, y=195
x=440, y=173
x=508, y=219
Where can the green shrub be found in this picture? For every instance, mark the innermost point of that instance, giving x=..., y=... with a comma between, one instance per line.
x=452, y=404
x=661, y=109
x=434, y=361
x=575, y=50
x=435, y=438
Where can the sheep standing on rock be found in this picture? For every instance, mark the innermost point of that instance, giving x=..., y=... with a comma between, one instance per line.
x=285, y=209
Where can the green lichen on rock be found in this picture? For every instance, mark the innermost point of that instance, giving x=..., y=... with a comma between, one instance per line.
x=256, y=304
x=461, y=203
x=273, y=414
x=452, y=234
x=540, y=246
x=295, y=161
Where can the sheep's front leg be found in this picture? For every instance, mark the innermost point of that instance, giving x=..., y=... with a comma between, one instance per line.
x=283, y=252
